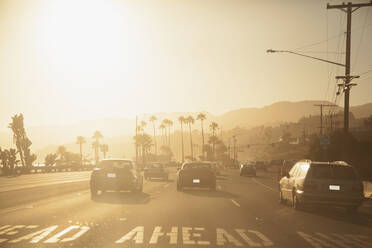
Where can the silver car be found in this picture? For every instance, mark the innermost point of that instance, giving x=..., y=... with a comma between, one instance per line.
x=322, y=183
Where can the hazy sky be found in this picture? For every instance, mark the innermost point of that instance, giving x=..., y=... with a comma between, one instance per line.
x=64, y=61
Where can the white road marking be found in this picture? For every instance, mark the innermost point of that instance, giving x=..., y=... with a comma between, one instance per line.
x=186, y=236
x=166, y=185
x=199, y=235
x=265, y=240
x=249, y=241
x=173, y=235
x=39, y=235
x=235, y=203
x=136, y=234
x=332, y=240
x=223, y=237
x=155, y=235
x=57, y=238
x=315, y=242
x=264, y=185
x=12, y=230
x=359, y=239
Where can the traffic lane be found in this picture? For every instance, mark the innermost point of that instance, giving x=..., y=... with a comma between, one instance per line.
x=35, y=180
x=199, y=216
x=262, y=201
x=188, y=217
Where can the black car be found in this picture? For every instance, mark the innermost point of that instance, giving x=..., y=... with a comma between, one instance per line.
x=115, y=175
x=248, y=170
x=196, y=175
x=156, y=170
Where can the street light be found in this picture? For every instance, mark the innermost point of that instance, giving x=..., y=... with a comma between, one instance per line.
x=303, y=55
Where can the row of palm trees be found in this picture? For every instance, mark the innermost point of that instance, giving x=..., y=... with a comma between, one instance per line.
x=97, y=136
x=167, y=124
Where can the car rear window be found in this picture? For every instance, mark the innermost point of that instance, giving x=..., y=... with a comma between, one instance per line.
x=119, y=164
x=333, y=172
x=196, y=166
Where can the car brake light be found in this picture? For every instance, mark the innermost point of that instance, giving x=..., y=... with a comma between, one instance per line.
x=357, y=188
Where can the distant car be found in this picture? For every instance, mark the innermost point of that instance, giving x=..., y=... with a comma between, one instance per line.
x=248, y=169
x=156, y=170
x=196, y=174
x=322, y=183
x=115, y=175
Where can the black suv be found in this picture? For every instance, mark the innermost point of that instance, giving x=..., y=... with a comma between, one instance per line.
x=115, y=175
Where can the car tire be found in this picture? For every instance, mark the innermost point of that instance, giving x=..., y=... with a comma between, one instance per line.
x=179, y=187
x=281, y=199
x=93, y=193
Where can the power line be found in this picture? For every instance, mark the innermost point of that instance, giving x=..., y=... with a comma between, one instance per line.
x=361, y=38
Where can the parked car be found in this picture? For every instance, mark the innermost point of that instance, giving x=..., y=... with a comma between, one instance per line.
x=322, y=183
x=156, y=170
x=248, y=169
x=115, y=175
x=196, y=174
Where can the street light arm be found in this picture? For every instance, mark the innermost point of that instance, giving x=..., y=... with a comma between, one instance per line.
x=303, y=55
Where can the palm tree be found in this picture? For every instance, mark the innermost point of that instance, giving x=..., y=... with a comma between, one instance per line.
x=62, y=152
x=97, y=136
x=190, y=120
x=162, y=128
x=152, y=120
x=80, y=140
x=166, y=123
x=202, y=117
x=170, y=124
x=182, y=120
x=104, y=149
x=213, y=127
x=143, y=125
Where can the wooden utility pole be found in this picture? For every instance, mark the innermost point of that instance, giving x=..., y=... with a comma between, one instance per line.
x=136, y=139
x=321, y=114
x=349, y=8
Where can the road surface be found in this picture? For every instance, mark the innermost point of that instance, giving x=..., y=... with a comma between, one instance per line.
x=244, y=212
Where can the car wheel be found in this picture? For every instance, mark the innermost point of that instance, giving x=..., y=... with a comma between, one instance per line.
x=281, y=199
x=296, y=203
x=179, y=187
x=93, y=193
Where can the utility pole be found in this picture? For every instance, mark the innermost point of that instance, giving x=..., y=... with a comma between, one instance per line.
x=349, y=8
x=234, y=140
x=136, y=139
x=321, y=114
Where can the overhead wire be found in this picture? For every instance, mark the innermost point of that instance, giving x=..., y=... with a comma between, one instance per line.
x=361, y=38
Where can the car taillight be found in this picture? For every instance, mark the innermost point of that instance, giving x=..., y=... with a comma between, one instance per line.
x=310, y=186
x=357, y=188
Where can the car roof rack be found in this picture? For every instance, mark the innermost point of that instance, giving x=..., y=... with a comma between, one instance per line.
x=340, y=162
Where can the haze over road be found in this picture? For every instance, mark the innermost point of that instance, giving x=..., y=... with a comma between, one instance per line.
x=243, y=212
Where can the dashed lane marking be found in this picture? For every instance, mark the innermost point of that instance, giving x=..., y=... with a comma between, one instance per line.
x=264, y=185
x=235, y=203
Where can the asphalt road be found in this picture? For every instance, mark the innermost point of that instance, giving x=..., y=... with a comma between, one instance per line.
x=244, y=212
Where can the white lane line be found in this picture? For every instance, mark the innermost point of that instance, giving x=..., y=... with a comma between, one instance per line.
x=235, y=203
x=264, y=185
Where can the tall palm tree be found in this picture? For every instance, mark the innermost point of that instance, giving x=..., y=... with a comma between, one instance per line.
x=190, y=120
x=202, y=117
x=162, y=128
x=104, y=149
x=143, y=125
x=166, y=123
x=96, y=136
x=213, y=127
x=152, y=120
x=182, y=120
x=80, y=140
x=170, y=124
